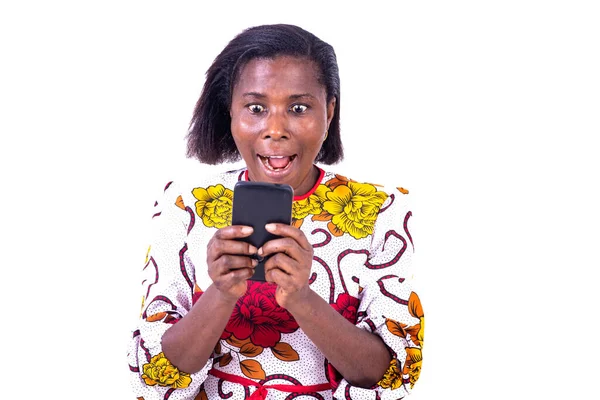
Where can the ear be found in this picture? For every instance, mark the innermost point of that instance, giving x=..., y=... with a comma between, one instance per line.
x=330, y=111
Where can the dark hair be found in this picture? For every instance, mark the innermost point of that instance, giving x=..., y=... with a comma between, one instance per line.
x=209, y=137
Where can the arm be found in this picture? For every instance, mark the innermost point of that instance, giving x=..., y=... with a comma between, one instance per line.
x=289, y=267
x=167, y=298
x=390, y=316
x=334, y=335
x=173, y=330
x=190, y=342
x=389, y=307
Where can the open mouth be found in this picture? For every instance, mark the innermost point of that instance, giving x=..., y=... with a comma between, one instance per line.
x=277, y=163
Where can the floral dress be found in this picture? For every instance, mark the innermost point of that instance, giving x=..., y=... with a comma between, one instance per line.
x=361, y=266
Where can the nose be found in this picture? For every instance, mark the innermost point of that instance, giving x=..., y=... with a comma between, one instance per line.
x=276, y=126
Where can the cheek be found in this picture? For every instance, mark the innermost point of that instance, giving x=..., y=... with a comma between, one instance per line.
x=313, y=133
x=307, y=128
x=245, y=125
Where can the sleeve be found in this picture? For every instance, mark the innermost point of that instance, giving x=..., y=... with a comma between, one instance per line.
x=166, y=298
x=389, y=306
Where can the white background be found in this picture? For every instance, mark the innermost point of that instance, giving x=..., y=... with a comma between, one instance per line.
x=486, y=111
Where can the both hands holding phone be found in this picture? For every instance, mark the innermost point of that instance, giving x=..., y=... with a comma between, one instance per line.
x=261, y=245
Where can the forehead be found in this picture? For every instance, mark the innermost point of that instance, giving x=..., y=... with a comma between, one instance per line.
x=280, y=74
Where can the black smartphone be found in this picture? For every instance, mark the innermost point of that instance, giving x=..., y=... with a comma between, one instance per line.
x=256, y=204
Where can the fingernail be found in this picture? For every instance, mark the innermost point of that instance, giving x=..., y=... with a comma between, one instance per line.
x=260, y=251
x=252, y=249
x=254, y=262
x=270, y=227
x=246, y=230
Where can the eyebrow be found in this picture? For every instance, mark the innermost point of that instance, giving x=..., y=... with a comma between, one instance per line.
x=293, y=96
x=254, y=94
x=299, y=96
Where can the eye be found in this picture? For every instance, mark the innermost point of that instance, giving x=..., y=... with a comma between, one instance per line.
x=256, y=108
x=299, y=108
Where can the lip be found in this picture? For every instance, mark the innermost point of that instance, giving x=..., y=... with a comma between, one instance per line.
x=279, y=174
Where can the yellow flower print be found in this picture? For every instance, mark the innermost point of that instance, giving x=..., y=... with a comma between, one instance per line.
x=159, y=371
x=320, y=196
x=412, y=366
x=310, y=205
x=142, y=307
x=392, y=378
x=214, y=205
x=147, y=255
x=354, y=208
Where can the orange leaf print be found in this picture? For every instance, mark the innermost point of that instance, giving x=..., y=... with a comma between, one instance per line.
x=395, y=328
x=297, y=223
x=324, y=216
x=156, y=317
x=197, y=289
x=285, y=352
x=250, y=350
x=225, y=359
x=413, y=331
x=179, y=203
x=337, y=181
x=402, y=190
x=201, y=396
x=334, y=229
x=252, y=369
x=218, y=348
x=169, y=319
x=232, y=340
x=414, y=306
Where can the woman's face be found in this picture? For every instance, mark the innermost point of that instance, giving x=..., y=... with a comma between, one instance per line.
x=279, y=119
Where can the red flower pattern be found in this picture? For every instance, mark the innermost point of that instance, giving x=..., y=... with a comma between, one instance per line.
x=257, y=316
x=347, y=306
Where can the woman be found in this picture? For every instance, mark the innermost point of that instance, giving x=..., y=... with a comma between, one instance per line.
x=337, y=317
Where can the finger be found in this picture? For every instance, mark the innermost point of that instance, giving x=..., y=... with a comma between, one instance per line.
x=277, y=276
x=234, y=232
x=219, y=247
x=291, y=232
x=238, y=275
x=281, y=245
x=288, y=282
x=227, y=263
x=283, y=263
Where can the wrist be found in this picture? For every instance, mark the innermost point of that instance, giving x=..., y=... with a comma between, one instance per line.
x=302, y=303
x=223, y=299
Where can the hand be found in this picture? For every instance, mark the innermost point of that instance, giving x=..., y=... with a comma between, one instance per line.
x=229, y=261
x=290, y=263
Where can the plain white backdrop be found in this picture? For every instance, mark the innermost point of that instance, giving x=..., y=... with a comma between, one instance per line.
x=489, y=112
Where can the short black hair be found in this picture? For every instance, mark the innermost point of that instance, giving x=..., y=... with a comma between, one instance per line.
x=209, y=138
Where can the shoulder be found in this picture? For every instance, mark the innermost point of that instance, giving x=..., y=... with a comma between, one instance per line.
x=379, y=194
x=359, y=207
x=187, y=190
x=216, y=183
